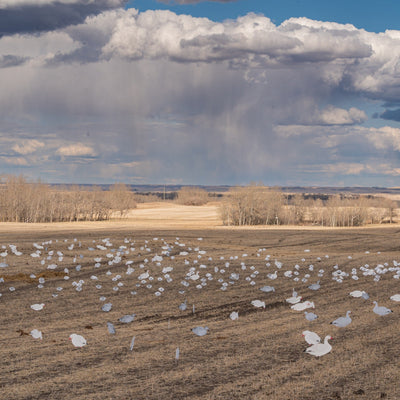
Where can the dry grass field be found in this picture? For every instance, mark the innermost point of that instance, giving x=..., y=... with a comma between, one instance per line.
x=259, y=356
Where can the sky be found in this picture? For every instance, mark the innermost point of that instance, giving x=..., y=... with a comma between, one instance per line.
x=283, y=92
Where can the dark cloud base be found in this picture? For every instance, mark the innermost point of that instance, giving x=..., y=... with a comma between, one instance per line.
x=8, y=61
x=36, y=19
x=392, y=115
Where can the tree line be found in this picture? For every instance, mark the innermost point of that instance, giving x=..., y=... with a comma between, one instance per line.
x=24, y=201
x=258, y=205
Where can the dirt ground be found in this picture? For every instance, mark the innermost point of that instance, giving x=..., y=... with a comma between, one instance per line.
x=259, y=356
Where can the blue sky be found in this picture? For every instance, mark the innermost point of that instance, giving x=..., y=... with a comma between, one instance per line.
x=291, y=92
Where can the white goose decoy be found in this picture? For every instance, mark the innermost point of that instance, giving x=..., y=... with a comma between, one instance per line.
x=77, y=340
x=320, y=349
x=258, y=303
x=234, y=315
x=132, y=343
x=273, y=276
x=380, y=310
x=357, y=293
x=267, y=289
x=37, y=307
x=294, y=299
x=315, y=286
x=110, y=327
x=310, y=316
x=365, y=296
x=126, y=319
x=311, y=337
x=183, y=306
x=36, y=334
x=165, y=270
x=144, y=275
x=107, y=307
x=395, y=297
x=303, y=306
x=342, y=322
x=200, y=331
x=195, y=276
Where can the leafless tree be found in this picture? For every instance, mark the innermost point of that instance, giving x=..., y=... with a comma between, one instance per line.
x=252, y=205
x=121, y=198
x=23, y=201
x=192, y=196
x=255, y=205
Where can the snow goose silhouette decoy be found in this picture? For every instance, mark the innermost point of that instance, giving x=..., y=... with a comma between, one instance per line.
x=37, y=307
x=358, y=293
x=183, y=306
x=195, y=276
x=395, y=297
x=110, y=327
x=267, y=289
x=107, y=307
x=365, y=296
x=315, y=286
x=311, y=337
x=258, y=303
x=144, y=275
x=310, y=316
x=36, y=334
x=132, y=343
x=303, y=306
x=273, y=276
x=380, y=310
x=200, y=331
x=126, y=319
x=77, y=340
x=294, y=299
x=234, y=315
x=342, y=322
x=320, y=349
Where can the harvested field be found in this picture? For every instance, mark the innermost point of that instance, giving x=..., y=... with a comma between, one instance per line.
x=259, y=356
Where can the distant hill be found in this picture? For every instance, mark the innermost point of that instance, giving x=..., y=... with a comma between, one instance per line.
x=337, y=190
x=159, y=188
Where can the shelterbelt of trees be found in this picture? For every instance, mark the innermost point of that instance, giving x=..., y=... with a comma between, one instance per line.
x=24, y=201
x=257, y=205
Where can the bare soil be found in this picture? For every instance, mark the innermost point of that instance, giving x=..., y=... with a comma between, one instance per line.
x=259, y=356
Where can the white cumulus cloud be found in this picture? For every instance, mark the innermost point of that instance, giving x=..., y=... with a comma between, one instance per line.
x=385, y=138
x=76, y=150
x=252, y=38
x=27, y=146
x=161, y=96
x=339, y=116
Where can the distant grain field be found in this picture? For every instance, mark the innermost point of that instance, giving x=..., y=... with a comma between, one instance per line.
x=259, y=356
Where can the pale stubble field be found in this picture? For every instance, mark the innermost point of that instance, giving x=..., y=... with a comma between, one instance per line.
x=259, y=356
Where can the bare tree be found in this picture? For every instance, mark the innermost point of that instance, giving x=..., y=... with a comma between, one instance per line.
x=23, y=201
x=192, y=196
x=122, y=199
x=252, y=205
